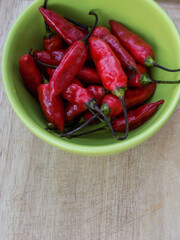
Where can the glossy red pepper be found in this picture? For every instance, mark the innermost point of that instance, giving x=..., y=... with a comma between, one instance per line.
x=86, y=75
x=141, y=51
x=50, y=57
x=71, y=64
x=110, y=70
x=61, y=26
x=72, y=111
x=50, y=72
x=136, y=117
x=79, y=95
x=53, y=111
x=89, y=76
x=111, y=105
x=121, y=53
x=141, y=78
x=53, y=42
x=98, y=92
x=30, y=74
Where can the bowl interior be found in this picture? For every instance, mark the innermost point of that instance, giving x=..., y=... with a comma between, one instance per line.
x=144, y=17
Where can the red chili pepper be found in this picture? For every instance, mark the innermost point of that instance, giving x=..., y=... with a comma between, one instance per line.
x=89, y=75
x=109, y=68
x=54, y=111
x=52, y=42
x=61, y=26
x=50, y=72
x=137, y=117
x=141, y=51
x=121, y=53
x=71, y=64
x=98, y=92
x=141, y=78
x=30, y=74
x=111, y=105
x=72, y=111
x=50, y=57
x=79, y=95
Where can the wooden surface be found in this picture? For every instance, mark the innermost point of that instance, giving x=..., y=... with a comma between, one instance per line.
x=48, y=194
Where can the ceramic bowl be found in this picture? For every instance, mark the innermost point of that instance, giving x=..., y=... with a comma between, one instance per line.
x=145, y=17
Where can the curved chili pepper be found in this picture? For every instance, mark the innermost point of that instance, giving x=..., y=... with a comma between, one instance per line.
x=141, y=78
x=61, y=26
x=54, y=111
x=30, y=74
x=50, y=57
x=74, y=110
x=121, y=53
x=98, y=92
x=109, y=68
x=71, y=64
x=51, y=40
x=86, y=75
x=141, y=51
x=136, y=117
x=50, y=72
x=89, y=75
x=79, y=95
x=111, y=105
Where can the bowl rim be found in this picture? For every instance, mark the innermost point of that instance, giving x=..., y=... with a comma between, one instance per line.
x=110, y=149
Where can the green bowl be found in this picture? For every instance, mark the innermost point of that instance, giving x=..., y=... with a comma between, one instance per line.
x=145, y=17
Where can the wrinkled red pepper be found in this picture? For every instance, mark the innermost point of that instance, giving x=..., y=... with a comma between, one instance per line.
x=110, y=70
x=53, y=110
x=121, y=53
x=111, y=105
x=61, y=26
x=136, y=117
x=30, y=74
x=141, y=51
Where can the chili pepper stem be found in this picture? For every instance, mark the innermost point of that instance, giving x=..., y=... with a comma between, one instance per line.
x=100, y=119
x=149, y=62
x=49, y=33
x=88, y=132
x=45, y=4
x=78, y=24
x=120, y=93
x=96, y=108
x=165, y=82
x=92, y=29
x=145, y=79
x=79, y=128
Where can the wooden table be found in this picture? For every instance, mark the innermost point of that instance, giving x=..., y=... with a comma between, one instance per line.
x=48, y=194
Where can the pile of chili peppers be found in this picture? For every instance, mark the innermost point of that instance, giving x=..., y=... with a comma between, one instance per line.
x=91, y=74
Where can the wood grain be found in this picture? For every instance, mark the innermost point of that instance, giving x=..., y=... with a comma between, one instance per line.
x=48, y=194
